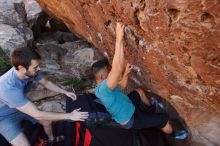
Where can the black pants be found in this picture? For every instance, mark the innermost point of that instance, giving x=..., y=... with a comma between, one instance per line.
x=146, y=119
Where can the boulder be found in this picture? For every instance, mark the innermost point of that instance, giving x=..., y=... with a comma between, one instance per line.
x=33, y=11
x=11, y=37
x=15, y=17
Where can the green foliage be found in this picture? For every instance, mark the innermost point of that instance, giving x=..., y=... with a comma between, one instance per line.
x=4, y=61
x=73, y=83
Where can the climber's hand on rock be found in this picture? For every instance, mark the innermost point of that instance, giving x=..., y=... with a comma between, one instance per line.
x=128, y=68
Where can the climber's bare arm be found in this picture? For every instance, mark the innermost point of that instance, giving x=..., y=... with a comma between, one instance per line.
x=124, y=81
x=118, y=59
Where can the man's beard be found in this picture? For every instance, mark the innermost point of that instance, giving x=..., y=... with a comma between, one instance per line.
x=28, y=74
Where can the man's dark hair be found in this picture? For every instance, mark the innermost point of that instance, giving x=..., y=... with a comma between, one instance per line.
x=97, y=66
x=23, y=56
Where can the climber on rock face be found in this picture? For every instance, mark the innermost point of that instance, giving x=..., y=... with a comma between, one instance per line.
x=15, y=106
x=130, y=111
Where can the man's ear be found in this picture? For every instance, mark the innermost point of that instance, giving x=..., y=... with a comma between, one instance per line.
x=97, y=76
x=101, y=76
x=20, y=67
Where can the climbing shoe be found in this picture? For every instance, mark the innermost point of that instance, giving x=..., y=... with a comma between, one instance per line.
x=179, y=135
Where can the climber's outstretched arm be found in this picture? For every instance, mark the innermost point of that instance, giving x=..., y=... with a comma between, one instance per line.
x=116, y=72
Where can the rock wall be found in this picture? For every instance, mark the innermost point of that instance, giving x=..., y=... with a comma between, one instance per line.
x=174, y=45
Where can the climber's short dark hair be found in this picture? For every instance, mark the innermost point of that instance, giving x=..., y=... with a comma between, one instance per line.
x=97, y=66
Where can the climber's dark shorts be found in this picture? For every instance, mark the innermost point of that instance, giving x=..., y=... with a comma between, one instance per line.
x=144, y=119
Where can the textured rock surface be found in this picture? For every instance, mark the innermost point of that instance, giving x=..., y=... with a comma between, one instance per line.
x=174, y=45
x=16, y=16
x=33, y=10
x=11, y=37
x=54, y=104
x=66, y=56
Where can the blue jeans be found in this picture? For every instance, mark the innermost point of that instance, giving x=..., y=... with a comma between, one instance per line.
x=10, y=126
